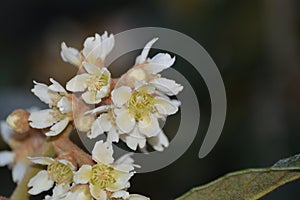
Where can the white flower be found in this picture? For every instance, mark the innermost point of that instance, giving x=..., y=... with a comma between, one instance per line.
x=105, y=175
x=95, y=83
x=59, y=173
x=58, y=115
x=137, y=112
x=94, y=52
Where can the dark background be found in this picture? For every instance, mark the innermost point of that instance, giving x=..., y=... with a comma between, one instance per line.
x=255, y=44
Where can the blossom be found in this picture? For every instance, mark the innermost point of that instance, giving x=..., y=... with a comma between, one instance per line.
x=137, y=112
x=59, y=173
x=94, y=51
x=105, y=176
x=122, y=194
x=95, y=83
x=59, y=114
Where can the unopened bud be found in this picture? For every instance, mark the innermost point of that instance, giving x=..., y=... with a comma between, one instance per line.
x=18, y=121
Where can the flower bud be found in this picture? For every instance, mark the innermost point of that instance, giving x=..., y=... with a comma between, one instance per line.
x=18, y=121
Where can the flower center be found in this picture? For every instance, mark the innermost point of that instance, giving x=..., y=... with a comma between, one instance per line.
x=60, y=173
x=96, y=82
x=102, y=176
x=140, y=104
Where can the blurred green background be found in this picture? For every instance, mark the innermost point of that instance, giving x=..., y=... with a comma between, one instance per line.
x=255, y=44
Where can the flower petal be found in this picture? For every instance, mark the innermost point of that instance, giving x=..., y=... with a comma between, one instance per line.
x=18, y=171
x=58, y=127
x=41, y=160
x=102, y=152
x=96, y=129
x=134, y=139
x=124, y=120
x=40, y=182
x=70, y=55
x=56, y=87
x=6, y=158
x=121, y=95
x=159, y=142
x=90, y=98
x=159, y=63
x=137, y=197
x=97, y=47
x=149, y=126
x=142, y=58
x=91, y=68
x=83, y=175
x=5, y=131
x=122, y=179
x=120, y=194
x=165, y=107
x=59, y=192
x=64, y=105
x=97, y=192
x=42, y=118
x=78, y=83
x=167, y=86
x=41, y=91
x=113, y=135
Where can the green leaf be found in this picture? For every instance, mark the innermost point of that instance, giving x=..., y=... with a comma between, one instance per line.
x=248, y=184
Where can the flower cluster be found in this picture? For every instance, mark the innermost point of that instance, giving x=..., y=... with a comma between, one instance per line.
x=129, y=109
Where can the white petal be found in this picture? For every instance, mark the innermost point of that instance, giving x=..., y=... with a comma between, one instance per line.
x=6, y=158
x=78, y=83
x=103, y=92
x=121, y=95
x=83, y=175
x=18, y=171
x=58, y=127
x=164, y=106
x=90, y=98
x=134, y=139
x=40, y=183
x=91, y=69
x=167, y=86
x=125, y=163
x=96, y=129
x=137, y=197
x=41, y=160
x=99, y=109
x=107, y=45
x=159, y=142
x=97, y=192
x=59, y=192
x=56, y=87
x=113, y=135
x=142, y=58
x=42, y=119
x=81, y=193
x=159, y=63
x=122, y=179
x=149, y=126
x=41, y=91
x=98, y=47
x=102, y=152
x=70, y=55
x=64, y=105
x=124, y=120
x=68, y=163
x=6, y=132
x=120, y=194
